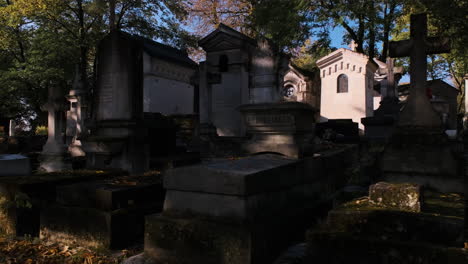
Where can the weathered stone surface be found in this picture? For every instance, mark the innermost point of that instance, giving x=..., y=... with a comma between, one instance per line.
x=14, y=165
x=421, y=157
x=92, y=227
x=106, y=196
x=23, y=197
x=187, y=238
x=403, y=196
x=286, y=128
x=243, y=211
x=243, y=176
x=338, y=248
x=397, y=225
x=362, y=232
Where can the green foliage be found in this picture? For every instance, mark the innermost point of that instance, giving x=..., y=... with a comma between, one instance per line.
x=42, y=41
x=41, y=131
x=283, y=21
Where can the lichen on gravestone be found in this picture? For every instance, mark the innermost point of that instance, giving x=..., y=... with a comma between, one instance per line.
x=400, y=196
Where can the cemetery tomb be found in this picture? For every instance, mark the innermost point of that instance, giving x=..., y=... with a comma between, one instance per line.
x=242, y=210
x=346, y=92
x=240, y=70
x=102, y=214
x=14, y=165
x=22, y=198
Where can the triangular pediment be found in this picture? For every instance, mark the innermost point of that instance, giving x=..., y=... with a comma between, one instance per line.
x=224, y=38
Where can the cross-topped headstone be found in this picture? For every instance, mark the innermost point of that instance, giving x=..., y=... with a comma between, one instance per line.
x=418, y=111
x=353, y=45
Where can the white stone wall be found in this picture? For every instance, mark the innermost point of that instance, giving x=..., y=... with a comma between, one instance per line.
x=358, y=102
x=167, y=87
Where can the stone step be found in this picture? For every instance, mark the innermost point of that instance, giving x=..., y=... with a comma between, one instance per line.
x=398, y=225
x=339, y=247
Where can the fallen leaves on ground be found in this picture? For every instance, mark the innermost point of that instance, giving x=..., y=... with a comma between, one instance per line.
x=14, y=251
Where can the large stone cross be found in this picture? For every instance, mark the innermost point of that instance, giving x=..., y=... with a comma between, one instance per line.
x=418, y=111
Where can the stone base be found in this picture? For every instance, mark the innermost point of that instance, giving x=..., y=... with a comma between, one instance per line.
x=54, y=162
x=92, y=227
x=286, y=128
x=425, y=157
x=184, y=239
x=379, y=127
x=285, y=144
x=117, y=153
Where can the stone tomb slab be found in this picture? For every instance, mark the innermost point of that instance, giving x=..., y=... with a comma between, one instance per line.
x=110, y=195
x=103, y=214
x=241, y=189
x=14, y=165
x=92, y=227
x=23, y=197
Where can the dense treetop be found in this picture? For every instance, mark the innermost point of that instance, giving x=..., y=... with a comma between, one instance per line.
x=43, y=42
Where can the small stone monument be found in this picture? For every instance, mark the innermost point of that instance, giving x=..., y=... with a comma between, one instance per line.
x=53, y=156
x=75, y=117
x=419, y=151
x=286, y=128
x=418, y=112
x=381, y=125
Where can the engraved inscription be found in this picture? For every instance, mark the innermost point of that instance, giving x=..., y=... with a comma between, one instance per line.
x=106, y=88
x=270, y=119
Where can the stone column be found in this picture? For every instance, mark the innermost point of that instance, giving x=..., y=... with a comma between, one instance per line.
x=53, y=153
x=466, y=97
x=11, y=132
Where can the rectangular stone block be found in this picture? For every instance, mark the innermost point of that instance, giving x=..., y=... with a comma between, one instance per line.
x=402, y=196
x=107, y=196
x=92, y=227
x=178, y=238
x=241, y=208
x=245, y=176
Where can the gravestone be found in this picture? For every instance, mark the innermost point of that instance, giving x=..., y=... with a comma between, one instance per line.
x=243, y=210
x=381, y=125
x=419, y=150
x=54, y=155
x=117, y=138
x=233, y=211
x=103, y=214
x=286, y=128
x=418, y=112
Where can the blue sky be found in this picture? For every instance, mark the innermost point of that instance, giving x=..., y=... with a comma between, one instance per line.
x=337, y=39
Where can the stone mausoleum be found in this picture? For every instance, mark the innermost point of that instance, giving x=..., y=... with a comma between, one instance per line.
x=347, y=90
x=240, y=70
